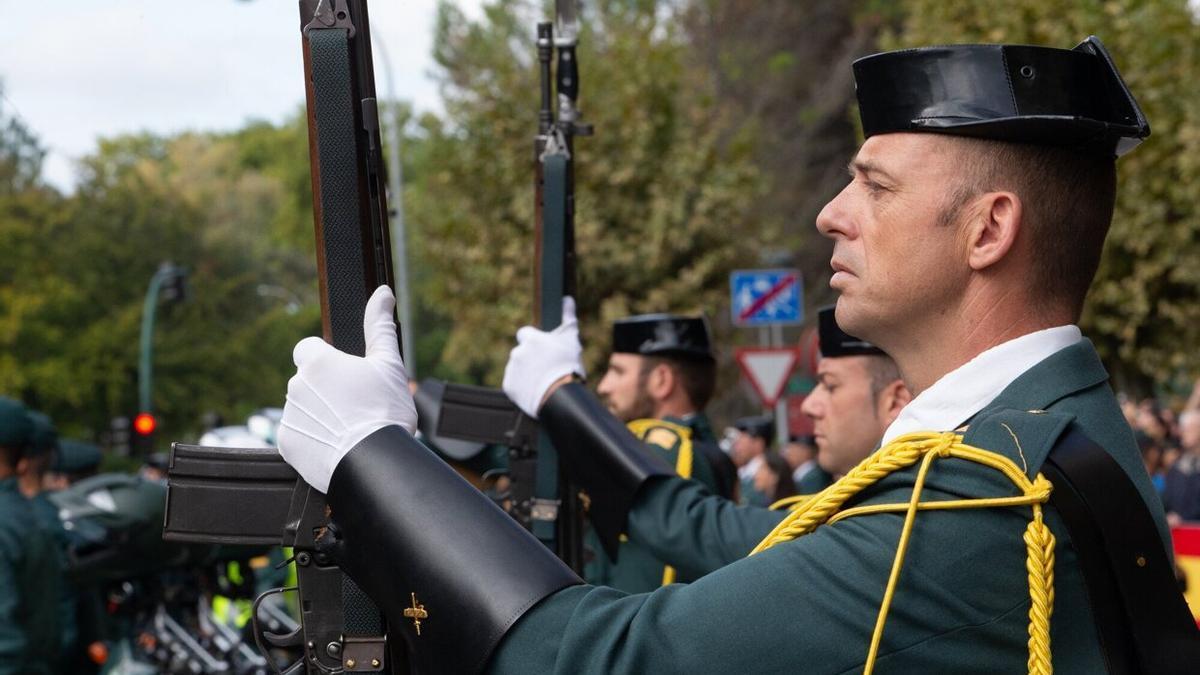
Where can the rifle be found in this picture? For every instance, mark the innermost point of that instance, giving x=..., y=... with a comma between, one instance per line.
x=541, y=498
x=241, y=496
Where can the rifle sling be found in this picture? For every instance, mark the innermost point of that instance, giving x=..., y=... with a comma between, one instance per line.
x=341, y=238
x=1144, y=626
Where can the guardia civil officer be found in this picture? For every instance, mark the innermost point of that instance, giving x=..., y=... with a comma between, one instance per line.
x=964, y=246
x=662, y=367
x=858, y=395
x=660, y=376
x=29, y=565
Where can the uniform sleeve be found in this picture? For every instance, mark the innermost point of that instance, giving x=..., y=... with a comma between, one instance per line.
x=685, y=525
x=809, y=605
x=12, y=634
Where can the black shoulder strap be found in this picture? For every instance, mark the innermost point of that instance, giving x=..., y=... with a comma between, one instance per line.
x=1143, y=622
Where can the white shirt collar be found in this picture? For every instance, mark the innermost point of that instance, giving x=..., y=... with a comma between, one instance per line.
x=966, y=390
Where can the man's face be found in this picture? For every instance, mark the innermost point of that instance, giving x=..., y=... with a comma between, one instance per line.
x=623, y=388
x=846, y=420
x=746, y=447
x=894, y=262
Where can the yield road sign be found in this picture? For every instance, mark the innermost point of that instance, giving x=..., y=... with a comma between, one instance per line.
x=765, y=297
x=767, y=369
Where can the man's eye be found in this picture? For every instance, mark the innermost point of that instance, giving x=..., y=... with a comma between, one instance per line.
x=874, y=188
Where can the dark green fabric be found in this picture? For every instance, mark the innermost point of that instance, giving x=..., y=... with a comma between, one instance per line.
x=47, y=516
x=29, y=581
x=637, y=569
x=76, y=456
x=16, y=429
x=811, y=604
x=814, y=481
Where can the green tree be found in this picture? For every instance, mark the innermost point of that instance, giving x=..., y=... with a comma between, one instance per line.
x=71, y=292
x=1144, y=308
x=21, y=153
x=663, y=188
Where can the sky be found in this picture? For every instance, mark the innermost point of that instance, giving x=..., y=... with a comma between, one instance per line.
x=79, y=70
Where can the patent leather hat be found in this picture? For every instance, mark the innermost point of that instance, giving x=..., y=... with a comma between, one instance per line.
x=836, y=342
x=663, y=335
x=1064, y=97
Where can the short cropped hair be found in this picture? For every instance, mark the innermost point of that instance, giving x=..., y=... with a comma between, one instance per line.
x=882, y=370
x=698, y=377
x=1067, y=198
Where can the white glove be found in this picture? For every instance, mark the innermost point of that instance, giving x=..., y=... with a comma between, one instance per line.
x=541, y=358
x=336, y=399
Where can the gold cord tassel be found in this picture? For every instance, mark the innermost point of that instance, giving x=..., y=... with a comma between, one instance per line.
x=902, y=453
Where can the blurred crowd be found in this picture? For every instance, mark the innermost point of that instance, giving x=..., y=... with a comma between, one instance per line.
x=1169, y=440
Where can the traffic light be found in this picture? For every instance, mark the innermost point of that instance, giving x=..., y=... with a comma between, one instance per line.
x=118, y=436
x=144, y=425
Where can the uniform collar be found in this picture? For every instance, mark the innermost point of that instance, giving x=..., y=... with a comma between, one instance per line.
x=966, y=390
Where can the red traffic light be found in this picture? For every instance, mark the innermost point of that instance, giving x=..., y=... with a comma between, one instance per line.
x=144, y=423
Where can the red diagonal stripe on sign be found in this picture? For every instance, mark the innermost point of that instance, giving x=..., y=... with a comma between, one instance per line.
x=761, y=302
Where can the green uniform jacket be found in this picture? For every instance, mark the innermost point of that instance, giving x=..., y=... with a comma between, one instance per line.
x=29, y=580
x=637, y=570
x=47, y=515
x=814, y=481
x=810, y=604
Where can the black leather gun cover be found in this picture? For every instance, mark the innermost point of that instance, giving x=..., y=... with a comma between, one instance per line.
x=411, y=531
x=227, y=495
x=601, y=455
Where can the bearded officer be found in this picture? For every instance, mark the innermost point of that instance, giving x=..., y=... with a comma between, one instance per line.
x=964, y=246
x=660, y=376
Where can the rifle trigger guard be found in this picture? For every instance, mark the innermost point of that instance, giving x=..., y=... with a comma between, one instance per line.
x=327, y=15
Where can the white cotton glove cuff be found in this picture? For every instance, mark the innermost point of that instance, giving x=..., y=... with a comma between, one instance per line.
x=541, y=358
x=335, y=399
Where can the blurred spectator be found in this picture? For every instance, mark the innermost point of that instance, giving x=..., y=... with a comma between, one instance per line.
x=1181, y=494
x=774, y=478
x=749, y=446
x=1152, y=456
x=801, y=455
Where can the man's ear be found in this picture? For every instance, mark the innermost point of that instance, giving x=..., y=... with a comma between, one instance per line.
x=892, y=400
x=661, y=382
x=993, y=228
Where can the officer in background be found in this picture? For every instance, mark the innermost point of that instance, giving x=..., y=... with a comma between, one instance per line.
x=662, y=367
x=858, y=394
x=661, y=374
x=31, y=472
x=30, y=637
x=750, y=447
x=74, y=461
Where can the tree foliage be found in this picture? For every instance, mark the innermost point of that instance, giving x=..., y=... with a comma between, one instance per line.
x=76, y=270
x=664, y=188
x=1144, y=308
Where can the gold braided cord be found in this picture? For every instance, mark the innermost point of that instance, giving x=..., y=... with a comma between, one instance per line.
x=903, y=452
x=683, y=461
x=791, y=503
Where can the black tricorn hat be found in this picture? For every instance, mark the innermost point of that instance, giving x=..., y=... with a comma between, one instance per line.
x=663, y=335
x=1065, y=97
x=760, y=426
x=836, y=342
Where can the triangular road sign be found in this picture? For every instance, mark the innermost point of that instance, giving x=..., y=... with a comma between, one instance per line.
x=768, y=369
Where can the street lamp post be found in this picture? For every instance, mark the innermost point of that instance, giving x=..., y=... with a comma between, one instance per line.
x=170, y=277
x=398, y=231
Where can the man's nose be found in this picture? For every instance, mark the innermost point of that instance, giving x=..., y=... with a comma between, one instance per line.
x=834, y=220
